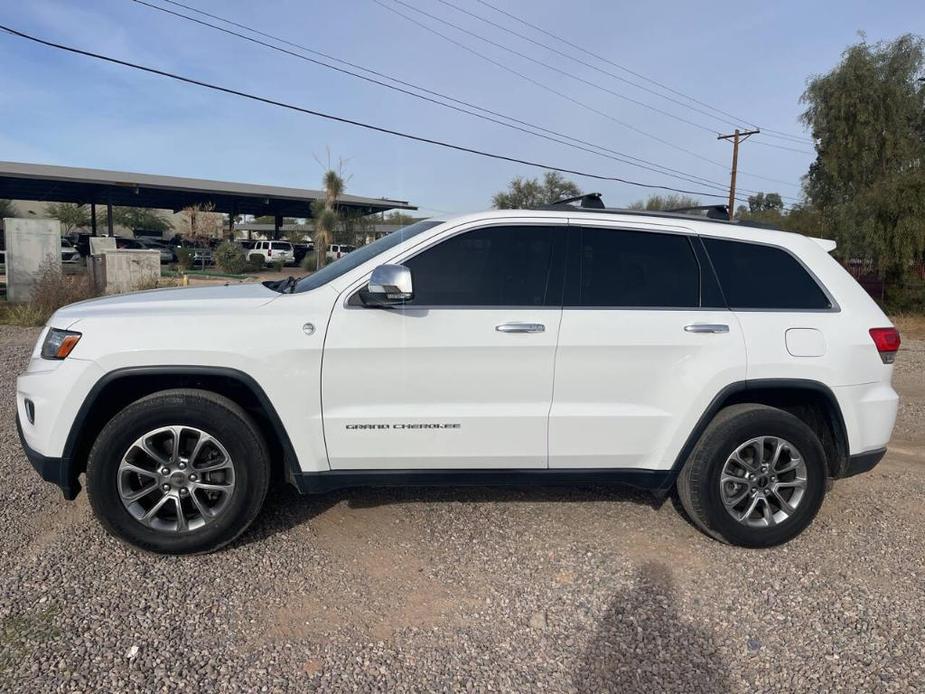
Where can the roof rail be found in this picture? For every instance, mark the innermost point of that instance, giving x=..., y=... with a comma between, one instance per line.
x=588, y=201
x=713, y=211
x=593, y=202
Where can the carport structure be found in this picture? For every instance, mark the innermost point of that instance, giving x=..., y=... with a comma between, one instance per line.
x=45, y=183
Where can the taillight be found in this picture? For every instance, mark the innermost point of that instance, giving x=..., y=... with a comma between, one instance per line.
x=887, y=342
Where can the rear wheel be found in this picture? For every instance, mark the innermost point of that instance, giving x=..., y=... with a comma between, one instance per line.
x=180, y=471
x=756, y=477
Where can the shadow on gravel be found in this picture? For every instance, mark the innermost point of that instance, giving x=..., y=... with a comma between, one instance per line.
x=642, y=644
x=285, y=508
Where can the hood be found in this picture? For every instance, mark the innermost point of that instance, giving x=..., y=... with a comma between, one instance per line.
x=173, y=300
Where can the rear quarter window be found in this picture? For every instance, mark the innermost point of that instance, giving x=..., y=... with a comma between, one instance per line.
x=756, y=276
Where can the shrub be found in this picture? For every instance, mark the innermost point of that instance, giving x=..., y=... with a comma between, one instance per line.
x=229, y=257
x=257, y=262
x=52, y=291
x=908, y=297
x=310, y=262
x=277, y=265
x=184, y=259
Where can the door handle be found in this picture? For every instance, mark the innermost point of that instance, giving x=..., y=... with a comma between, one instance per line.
x=520, y=328
x=706, y=328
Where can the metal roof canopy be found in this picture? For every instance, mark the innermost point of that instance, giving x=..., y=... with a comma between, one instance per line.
x=84, y=186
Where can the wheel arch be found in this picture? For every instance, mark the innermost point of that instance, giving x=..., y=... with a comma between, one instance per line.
x=120, y=387
x=811, y=401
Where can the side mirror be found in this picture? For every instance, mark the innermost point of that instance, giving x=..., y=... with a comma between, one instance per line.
x=388, y=285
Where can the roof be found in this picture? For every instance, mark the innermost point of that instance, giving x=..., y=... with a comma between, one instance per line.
x=43, y=182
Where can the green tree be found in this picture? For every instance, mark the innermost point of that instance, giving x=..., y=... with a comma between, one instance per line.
x=867, y=117
x=761, y=202
x=69, y=214
x=353, y=228
x=671, y=201
x=140, y=218
x=530, y=193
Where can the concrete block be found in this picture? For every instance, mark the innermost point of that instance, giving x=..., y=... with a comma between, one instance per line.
x=119, y=271
x=100, y=244
x=31, y=245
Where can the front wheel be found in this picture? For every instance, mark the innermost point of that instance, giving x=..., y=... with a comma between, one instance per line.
x=756, y=478
x=178, y=472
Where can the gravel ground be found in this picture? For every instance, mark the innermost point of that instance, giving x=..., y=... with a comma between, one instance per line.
x=510, y=590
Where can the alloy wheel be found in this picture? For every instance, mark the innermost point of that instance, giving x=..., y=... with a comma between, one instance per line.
x=763, y=481
x=176, y=479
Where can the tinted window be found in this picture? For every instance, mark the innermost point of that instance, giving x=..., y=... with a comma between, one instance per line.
x=634, y=268
x=281, y=246
x=757, y=276
x=495, y=266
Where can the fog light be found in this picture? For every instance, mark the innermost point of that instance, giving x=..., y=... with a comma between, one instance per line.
x=30, y=411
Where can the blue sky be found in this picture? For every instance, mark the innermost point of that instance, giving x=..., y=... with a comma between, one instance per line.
x=751, y=59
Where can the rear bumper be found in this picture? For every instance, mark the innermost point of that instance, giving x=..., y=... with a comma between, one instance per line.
x=58, y=471
x=863, y=462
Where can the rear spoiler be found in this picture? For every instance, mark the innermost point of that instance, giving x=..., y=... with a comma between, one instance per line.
x=828, y=245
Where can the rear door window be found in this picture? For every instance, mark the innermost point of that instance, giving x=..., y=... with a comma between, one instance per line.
x=621, y=268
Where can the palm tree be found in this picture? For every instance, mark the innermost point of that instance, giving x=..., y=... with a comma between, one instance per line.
x=326, y=215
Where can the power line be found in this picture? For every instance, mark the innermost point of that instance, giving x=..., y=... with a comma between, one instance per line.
x=777, y=146
x=562, y=72
x=546, y=87
x=613, y=154
x=627, y=70
x=341, y=119
x=586, y=63
x=569, y=98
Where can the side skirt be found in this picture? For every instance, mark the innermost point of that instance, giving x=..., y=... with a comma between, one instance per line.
x=320, y=482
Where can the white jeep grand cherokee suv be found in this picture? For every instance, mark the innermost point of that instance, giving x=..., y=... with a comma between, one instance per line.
x=743, y=367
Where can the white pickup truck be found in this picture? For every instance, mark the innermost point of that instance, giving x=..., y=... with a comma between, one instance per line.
x=742, y=367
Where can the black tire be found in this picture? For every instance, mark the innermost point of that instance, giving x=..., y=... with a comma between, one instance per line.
x=699, y=482
x=212, y=413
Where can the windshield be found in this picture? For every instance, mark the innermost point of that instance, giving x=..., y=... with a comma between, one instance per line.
x=361, y=255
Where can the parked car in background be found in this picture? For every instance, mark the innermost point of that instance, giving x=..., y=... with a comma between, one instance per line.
x=301, y=250
x=202, y=253
x=339, y=250
x=167, y=253
x=273, y=251
x=123, y=242
x=69, y=254
x=80, y=241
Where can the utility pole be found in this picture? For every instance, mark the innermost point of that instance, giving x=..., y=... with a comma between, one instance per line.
x=736, y=137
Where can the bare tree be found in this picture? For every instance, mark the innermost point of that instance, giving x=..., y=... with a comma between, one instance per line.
x=202, y=223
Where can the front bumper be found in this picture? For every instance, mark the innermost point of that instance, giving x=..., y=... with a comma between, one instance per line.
x=59, y=471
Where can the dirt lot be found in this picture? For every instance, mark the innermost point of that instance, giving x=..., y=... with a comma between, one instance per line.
x=511, y=590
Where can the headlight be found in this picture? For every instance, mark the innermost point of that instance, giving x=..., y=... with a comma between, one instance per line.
x=59, y=343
